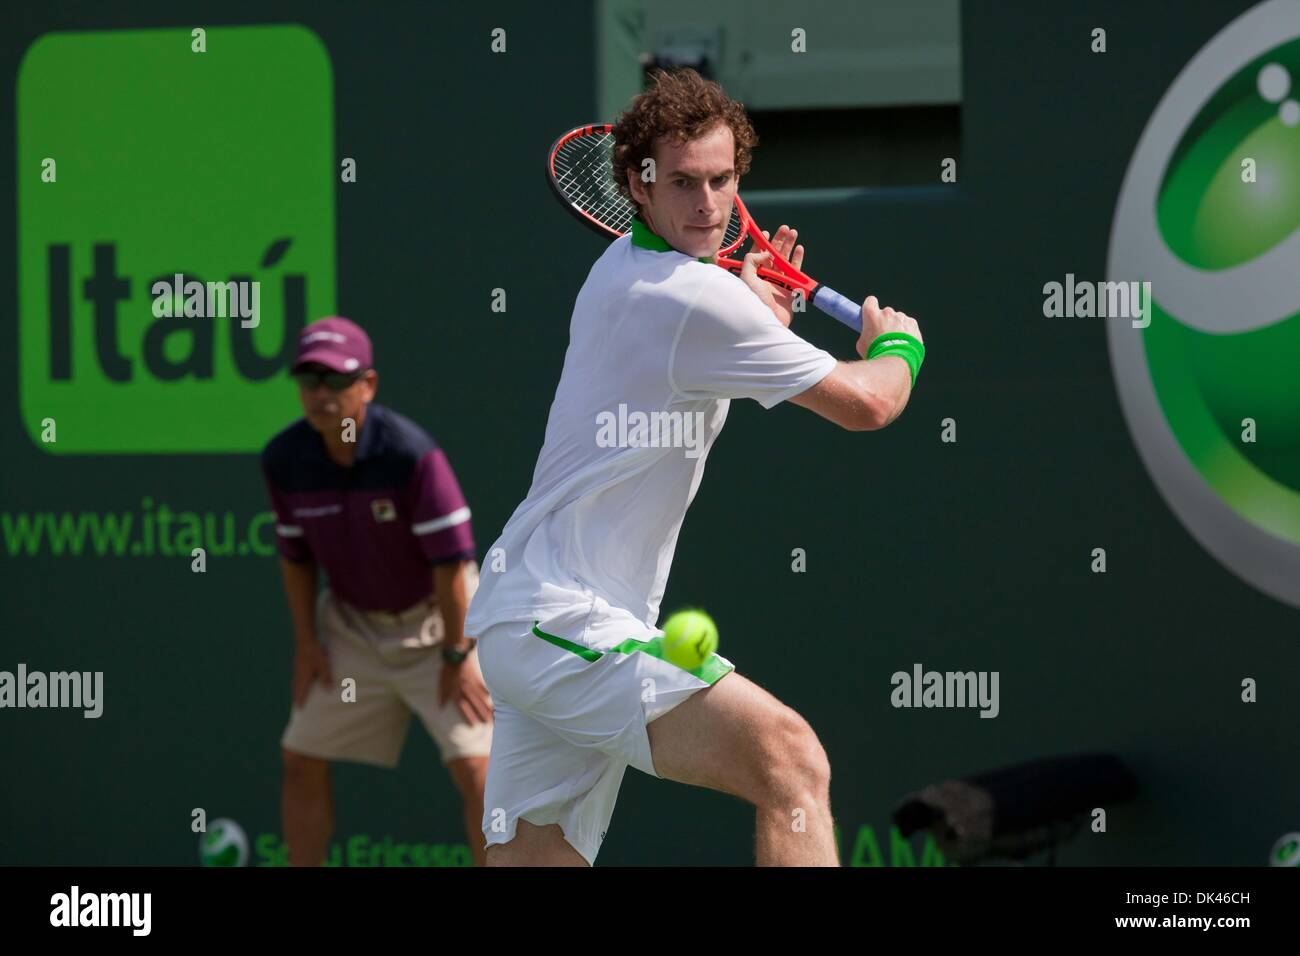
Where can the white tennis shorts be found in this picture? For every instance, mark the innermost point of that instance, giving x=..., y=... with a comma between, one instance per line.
x=572, y=696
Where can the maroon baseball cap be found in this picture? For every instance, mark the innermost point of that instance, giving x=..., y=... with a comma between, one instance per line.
x=336, y=343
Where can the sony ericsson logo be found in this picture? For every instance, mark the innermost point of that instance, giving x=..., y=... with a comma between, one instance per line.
x=1208, y=213
x=165, y=268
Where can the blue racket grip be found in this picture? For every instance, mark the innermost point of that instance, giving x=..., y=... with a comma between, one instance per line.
x=837, y=306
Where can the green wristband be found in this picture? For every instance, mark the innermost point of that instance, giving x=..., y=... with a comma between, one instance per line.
x=907, y=347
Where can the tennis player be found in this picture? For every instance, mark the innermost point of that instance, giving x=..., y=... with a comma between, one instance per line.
x=365, y=495
x=566, y=632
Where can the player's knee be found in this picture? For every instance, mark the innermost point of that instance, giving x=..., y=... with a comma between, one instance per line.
x=796, y=768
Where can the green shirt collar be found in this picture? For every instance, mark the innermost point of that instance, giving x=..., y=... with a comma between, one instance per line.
x=643, y=237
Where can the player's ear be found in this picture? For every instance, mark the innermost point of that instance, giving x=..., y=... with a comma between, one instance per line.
x=637, y=188
x=371, y=378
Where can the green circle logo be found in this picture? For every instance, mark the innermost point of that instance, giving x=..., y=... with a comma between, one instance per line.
x=1286, y=851
x=224, y=844
x=1208, y=214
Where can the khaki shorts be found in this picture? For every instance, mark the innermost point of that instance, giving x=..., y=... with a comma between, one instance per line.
x=396, y=662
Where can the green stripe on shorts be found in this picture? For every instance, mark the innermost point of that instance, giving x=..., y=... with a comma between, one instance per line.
x=709, y=671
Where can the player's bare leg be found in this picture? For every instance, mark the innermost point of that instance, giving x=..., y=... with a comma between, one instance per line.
x=469, y=775
x=306, y=808
x=738, y=738
x=535, y=846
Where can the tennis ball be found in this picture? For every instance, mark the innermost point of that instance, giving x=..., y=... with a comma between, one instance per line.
x=225, y=844
x=689, y=638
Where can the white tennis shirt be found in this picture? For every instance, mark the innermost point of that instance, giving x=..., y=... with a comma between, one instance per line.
x=659, y=344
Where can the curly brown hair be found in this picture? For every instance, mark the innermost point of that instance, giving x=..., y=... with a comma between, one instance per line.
x=680, y=105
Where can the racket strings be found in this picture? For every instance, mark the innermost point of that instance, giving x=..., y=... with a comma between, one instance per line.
x=584, y=173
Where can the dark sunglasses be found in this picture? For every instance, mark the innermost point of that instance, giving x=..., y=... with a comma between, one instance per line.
x=334, y=381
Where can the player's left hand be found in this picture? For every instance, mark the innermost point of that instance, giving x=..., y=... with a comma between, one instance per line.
x=776, y=298
x=463, y=683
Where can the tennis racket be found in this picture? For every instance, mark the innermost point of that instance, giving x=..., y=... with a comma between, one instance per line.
x=580, y=171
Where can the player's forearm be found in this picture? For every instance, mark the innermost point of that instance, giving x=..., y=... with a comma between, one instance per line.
x=889, y=380
x=300, y=592
x=453, y=600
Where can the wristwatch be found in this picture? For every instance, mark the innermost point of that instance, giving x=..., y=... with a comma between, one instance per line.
x=453, y=656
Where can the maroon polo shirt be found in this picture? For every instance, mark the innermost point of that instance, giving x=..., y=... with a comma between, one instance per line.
x=378, y=527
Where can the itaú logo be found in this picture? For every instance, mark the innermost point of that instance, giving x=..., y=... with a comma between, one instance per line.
x=164, y=275
x=1208, y=214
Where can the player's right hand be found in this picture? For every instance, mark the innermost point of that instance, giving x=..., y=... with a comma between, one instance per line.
x=877, y=321
x=309, y=663
x=776, y=298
